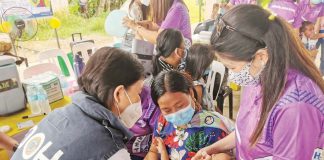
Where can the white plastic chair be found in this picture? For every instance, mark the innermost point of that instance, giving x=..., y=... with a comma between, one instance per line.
x=84, y=48
x=51, y=55
x=39, y=69
x=216, y=67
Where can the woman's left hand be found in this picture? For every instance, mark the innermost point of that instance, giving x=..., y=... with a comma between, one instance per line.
x=129, y=23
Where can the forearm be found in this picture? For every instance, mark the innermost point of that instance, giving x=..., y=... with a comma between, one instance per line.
x=222, y=145
x=164, y=156
x=148, y=34
x=152, y=154
x=154, y=27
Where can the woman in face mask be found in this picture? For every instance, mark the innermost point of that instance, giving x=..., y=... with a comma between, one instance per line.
x=96, y=124
x=281, y=112
x=164, y=14
x=182, y=129
x=170, y=51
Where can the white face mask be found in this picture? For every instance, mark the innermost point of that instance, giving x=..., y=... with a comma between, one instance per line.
x=131, y=114
x=244, y=78
x=145, y=2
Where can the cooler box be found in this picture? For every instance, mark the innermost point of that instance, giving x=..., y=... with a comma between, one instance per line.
x=12, y=97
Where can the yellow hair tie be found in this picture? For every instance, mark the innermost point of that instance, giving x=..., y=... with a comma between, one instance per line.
x=272, y=17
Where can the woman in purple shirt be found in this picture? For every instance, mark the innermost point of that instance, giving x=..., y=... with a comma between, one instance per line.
x=308, y=11
x=139, y=145
x=165, y=14
x=286, y=9
x=281, y=114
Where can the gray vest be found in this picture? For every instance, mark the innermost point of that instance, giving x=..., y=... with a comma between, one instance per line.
x=83, y=130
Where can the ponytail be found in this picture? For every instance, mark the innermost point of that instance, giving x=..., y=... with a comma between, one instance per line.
x=166, y=43
x=156, y=65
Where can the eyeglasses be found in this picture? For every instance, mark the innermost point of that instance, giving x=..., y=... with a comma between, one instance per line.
x=221, y=25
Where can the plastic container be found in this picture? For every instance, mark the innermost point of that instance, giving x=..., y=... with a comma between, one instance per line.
x=32, y=97
x=43, y=100
x=78, y=65
x=64, y=85
x=63, y=66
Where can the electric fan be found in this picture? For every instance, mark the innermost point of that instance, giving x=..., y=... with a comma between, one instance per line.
x=19, y=23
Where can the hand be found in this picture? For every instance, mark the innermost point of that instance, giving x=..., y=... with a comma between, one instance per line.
x=129, y=23
x=149, y=25
x=160, y=145
x=202, y=155
x=146, y=24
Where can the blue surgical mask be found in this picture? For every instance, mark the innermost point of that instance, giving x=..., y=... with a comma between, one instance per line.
x=181, y=117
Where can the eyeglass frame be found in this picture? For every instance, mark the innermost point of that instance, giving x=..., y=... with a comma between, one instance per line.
x=233, y=29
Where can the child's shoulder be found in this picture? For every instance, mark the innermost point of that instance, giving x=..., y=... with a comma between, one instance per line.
x=211, y=119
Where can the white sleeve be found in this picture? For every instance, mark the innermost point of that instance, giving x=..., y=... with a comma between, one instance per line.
x=121, y=154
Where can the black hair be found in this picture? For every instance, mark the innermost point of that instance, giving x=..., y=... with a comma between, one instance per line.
x=284, y=48
x=304, y=25
x=167, y=41
x=199, y=58
x=170, y=81
x=107, y=69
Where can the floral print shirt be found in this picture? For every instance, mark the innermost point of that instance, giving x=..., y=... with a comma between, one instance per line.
x=204, y=129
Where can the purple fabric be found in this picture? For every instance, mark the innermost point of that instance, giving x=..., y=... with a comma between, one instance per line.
x=237, y=2
x=294, y=128
x=307, y=13
x=143, y=129
x=178, y=18
x=286, y=9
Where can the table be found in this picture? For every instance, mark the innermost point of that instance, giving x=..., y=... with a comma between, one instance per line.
x=12, y=121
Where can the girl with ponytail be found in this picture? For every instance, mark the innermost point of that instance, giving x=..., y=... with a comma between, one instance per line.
x=170, y=51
